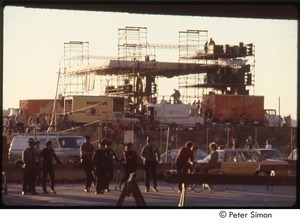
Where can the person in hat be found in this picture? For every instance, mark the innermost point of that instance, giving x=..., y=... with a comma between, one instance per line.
x=129, y=160
x=47, y=154
x=101, y=162
x=86, y=153
x=150, y=156
x=30, y=160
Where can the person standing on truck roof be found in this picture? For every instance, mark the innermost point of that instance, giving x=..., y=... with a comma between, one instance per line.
x=176, y=95
x=30, y=159
x=47, y=154
x=86, y=154
x=113, y=160
x=150, y=156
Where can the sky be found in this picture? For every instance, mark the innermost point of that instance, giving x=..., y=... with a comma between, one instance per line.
x=34, y=48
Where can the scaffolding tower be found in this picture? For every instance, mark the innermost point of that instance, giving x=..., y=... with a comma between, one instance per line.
x=76, y=53
x=191, y=43
x=133, y=44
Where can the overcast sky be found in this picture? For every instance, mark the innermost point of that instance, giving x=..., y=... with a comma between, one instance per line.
x=34, y=46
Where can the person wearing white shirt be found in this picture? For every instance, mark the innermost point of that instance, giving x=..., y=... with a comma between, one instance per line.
x=268, y=144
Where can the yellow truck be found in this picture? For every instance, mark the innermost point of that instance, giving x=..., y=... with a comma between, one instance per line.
x=87, y=109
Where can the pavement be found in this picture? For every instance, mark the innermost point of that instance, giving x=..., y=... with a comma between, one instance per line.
x=71, y=195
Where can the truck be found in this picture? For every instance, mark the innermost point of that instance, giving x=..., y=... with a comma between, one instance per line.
x=272, y=119
x=40, y=106
x=175, y=115
x=239, y=109
x=88, y=109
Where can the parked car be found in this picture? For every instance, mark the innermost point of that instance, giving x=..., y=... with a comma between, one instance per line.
x=270, y=153
x=246, y=162
x=172, y=154
x=66, y=147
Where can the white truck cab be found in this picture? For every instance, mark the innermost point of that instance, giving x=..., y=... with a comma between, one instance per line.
x=175, y=115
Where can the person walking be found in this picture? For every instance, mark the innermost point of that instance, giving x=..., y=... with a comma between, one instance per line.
x=86, y=154
x=150, y=156
x=30, y=160
x=183, y=161
x=113, y=160
x=47, y=155
x=101, y=161
x=129, y=160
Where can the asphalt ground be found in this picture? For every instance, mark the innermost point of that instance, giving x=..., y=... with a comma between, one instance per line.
x=71, y=195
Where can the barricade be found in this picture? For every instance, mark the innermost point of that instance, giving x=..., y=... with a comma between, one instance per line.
x=131, y=189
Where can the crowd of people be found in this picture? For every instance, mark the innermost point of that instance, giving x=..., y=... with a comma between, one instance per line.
x=19, y=123
x=35, y=163
x=97, y=163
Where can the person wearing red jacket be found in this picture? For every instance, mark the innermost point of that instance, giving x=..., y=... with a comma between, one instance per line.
x=183, y=161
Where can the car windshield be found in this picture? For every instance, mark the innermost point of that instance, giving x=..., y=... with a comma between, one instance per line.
x=271, y=154
x=172, y=154
x=70, y=142
x=247, y=156
x=220, y=152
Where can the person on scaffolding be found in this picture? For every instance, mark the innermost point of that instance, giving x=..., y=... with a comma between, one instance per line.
x=176, y=95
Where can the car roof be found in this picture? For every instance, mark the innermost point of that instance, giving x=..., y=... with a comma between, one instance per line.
x=267, y=149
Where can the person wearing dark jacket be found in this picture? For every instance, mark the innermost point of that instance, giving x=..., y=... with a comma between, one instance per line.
x=86, y=153
x=129, y=160
x=183, y=160
x=30, y=164
x=101, y=162
x=150, y=156
x=47, y=155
